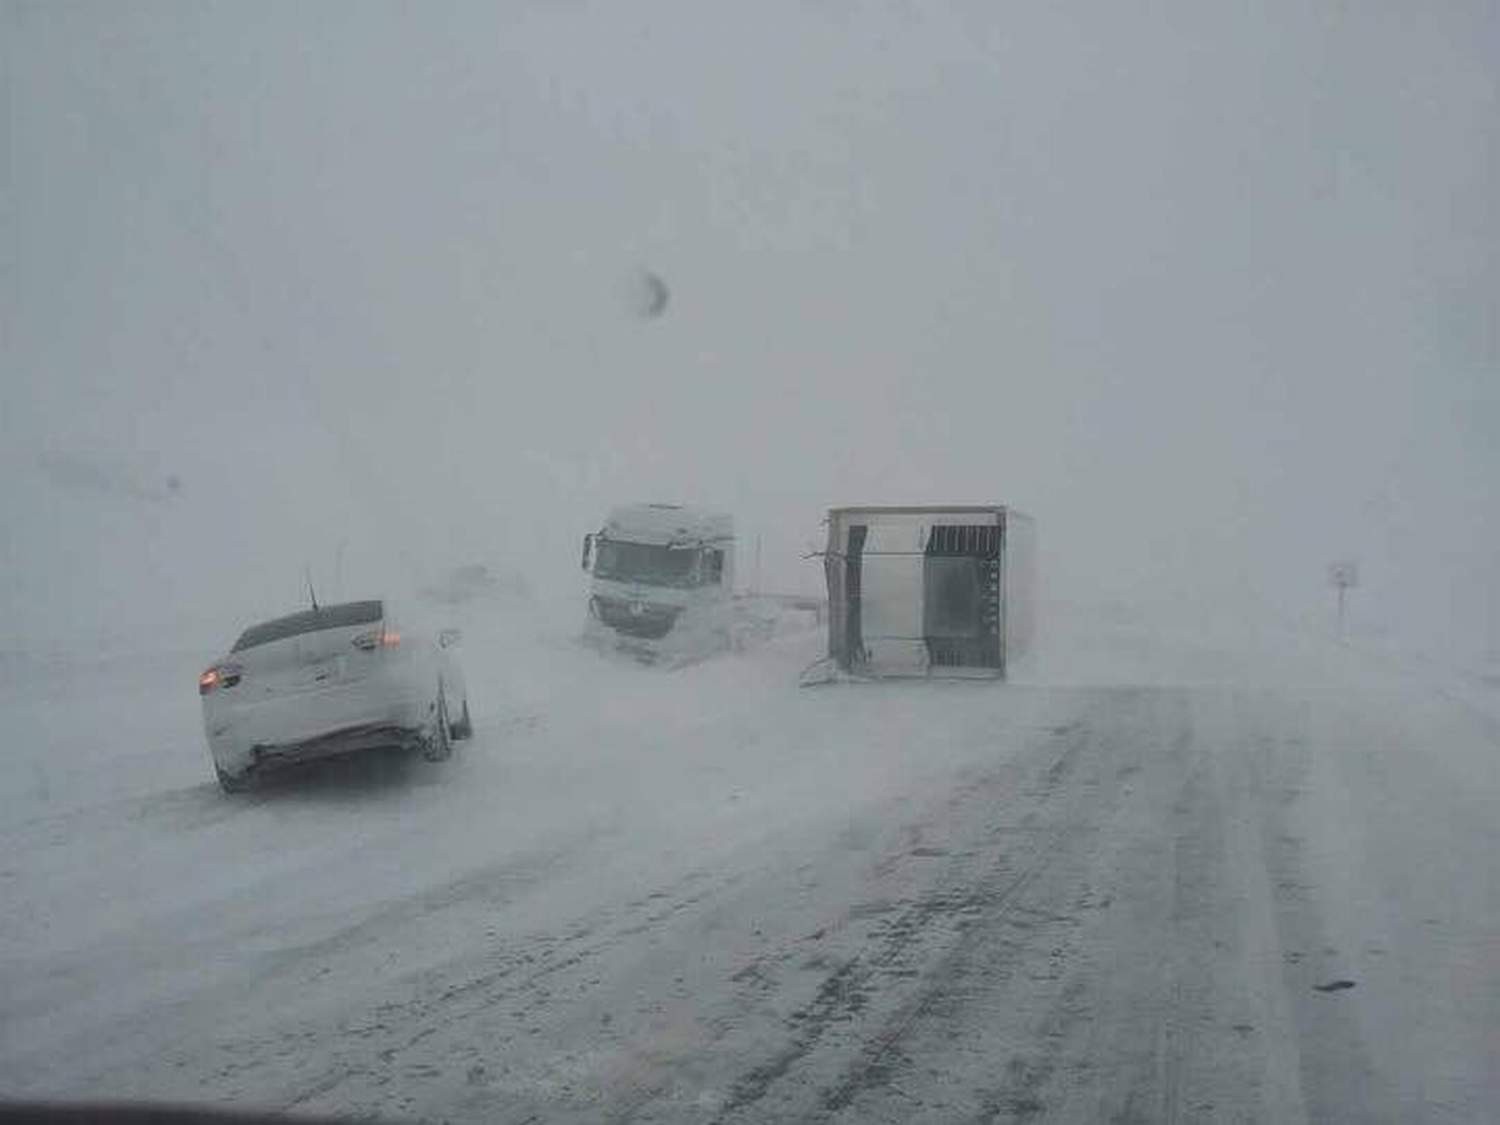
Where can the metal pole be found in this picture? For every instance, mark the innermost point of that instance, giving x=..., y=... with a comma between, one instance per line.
x=1341, y=588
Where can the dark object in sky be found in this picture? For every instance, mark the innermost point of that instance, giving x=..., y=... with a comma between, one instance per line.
x=1334, y=986
x=648, y=295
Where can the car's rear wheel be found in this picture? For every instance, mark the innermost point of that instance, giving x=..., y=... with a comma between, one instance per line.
x=464, y=728
x=233, y=782
x=438, y=746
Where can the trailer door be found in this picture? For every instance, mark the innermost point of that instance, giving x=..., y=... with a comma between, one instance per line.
x=961, y=608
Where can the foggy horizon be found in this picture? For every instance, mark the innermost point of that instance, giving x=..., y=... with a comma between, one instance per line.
x=1213, y=296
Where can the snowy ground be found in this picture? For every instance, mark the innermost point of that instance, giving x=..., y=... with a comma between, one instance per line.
x=1115, y=889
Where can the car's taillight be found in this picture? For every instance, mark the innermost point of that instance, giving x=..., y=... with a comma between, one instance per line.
x=220, y=675
x=376, y=638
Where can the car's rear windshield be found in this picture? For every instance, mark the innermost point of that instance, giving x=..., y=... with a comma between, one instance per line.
x=310, y=621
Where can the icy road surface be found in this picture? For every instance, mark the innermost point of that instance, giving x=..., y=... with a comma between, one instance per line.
x=1156, y=880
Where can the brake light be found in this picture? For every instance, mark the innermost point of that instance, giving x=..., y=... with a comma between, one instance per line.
x=376, y=638
x=220, y=675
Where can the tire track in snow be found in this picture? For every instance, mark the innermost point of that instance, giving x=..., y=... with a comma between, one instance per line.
x=923, y=940
x=1035, y=990
x=114, y=1042
x=1027, y=913
x=517, y=984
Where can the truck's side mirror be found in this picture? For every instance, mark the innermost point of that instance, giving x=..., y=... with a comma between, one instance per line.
x=449, y=637
x=588, y=550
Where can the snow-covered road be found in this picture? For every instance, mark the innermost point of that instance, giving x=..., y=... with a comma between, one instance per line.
x=1155, y=879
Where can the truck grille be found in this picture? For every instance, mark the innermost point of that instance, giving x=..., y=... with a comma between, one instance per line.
x=636, y=619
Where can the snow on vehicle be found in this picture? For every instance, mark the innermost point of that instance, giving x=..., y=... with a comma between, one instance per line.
x=926, y=591
x=661, y=582
x=330, y=680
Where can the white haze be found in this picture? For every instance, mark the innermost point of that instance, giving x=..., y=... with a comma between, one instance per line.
x=1210, y=289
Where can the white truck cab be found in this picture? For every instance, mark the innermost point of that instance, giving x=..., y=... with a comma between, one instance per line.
x=661, y=581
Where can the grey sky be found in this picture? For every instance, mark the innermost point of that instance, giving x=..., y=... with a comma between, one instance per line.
x=1211, y=289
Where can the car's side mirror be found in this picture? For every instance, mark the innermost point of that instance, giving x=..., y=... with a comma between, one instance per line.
x=449, y=637
x=588, y=550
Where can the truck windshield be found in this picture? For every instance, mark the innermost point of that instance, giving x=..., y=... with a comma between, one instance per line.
x=645, y=563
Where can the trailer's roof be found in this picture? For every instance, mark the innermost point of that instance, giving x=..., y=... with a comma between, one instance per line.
x=925, y=509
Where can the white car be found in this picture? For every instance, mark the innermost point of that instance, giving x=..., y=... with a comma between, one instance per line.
x=331, y=680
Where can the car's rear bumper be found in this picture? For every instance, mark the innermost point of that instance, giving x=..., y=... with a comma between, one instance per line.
x=350, y=740
x=382, y=711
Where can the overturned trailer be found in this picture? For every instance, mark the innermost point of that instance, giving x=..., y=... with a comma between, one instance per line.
x=927, y=591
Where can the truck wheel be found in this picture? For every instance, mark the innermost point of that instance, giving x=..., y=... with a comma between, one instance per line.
x=438, y=746
x=464, y=728
x=233, y=782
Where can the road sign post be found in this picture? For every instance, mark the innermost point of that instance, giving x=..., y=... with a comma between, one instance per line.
x=1343, y=576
